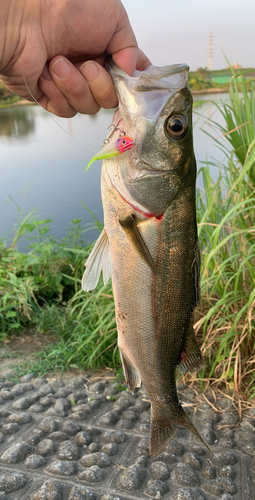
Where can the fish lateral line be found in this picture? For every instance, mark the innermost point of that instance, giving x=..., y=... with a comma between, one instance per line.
x=130, y=228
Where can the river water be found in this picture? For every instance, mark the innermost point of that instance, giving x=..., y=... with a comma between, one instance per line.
x=43, y=164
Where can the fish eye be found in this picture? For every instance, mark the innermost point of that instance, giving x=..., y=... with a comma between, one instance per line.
x=176, y=126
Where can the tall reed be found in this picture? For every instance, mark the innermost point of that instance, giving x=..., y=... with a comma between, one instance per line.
x=226, y=226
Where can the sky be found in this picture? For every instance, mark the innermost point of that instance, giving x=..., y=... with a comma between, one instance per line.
x=175, y=32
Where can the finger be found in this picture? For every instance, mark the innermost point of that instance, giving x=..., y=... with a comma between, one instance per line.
x=142, y=61
x=124, y=49
x=126, y=59
x=73, y=85
x=53, y=100
x=100, y=84
x=130, y=59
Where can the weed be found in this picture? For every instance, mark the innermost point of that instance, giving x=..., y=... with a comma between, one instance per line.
x=226, y=214
x=120, y=387
x=42, y=278
x=111, y=398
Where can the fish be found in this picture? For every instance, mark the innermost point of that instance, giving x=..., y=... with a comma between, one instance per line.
x=149, y=244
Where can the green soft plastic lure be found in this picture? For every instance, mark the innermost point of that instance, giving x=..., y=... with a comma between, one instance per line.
x=122, y=145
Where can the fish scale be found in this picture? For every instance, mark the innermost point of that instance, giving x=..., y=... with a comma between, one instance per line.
x=150, y=238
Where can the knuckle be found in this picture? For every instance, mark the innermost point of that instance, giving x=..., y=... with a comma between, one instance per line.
x=90, y=109
x=64, y=110
x=78, y=92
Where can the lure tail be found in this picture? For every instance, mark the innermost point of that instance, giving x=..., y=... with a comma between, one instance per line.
x=122, y=145
x=102, y=155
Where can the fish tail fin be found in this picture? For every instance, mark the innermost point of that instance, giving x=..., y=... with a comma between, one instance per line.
x=163, y=428
x=162, y=431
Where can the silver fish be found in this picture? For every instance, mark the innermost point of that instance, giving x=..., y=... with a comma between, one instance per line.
x=149, y=244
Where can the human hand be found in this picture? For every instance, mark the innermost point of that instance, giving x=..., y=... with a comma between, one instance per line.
x=84, y=32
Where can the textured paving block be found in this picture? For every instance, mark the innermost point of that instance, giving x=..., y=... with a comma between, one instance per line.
x=79, y=441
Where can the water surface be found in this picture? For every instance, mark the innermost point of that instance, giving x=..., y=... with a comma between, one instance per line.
x=43, y=166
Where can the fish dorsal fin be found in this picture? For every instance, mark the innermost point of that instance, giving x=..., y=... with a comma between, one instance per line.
x=192, y=360
x=130, y=227
x=99, y=260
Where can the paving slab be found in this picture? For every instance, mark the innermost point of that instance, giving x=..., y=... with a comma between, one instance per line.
x=80, y=440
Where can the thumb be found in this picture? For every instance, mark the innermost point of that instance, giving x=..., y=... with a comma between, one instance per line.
x=126, y=59
x=130, y=59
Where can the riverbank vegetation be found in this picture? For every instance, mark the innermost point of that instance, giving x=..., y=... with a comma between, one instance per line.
x=40, y=290
x=205, y=80
x=7, y=98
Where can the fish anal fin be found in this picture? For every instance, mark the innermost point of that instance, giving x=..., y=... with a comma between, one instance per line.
x=130, y=227
x=165, y=423
x=99, y=259
x=192, y=359
x=132, y=376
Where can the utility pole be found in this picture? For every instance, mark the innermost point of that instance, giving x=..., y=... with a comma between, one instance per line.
x=210, y=53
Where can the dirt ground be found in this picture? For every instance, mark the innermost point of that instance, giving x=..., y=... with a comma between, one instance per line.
x=15, y=350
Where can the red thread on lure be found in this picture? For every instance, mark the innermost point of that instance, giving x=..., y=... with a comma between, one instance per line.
x=124, y=143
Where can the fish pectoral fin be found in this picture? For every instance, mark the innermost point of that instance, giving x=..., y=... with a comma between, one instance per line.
x=132, y=376
x=130, y=227
x=99, y=259
x=192, y=359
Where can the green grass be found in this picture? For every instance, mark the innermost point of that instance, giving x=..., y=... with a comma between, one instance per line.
x=239, y=122
x=226, y=227
x=41, y=290
x=198, y=103
x=46, y=275
x=7, y=98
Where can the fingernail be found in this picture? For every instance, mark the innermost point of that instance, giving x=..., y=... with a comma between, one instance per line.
x=89, y=70
x=61, y=68
x=45, y=73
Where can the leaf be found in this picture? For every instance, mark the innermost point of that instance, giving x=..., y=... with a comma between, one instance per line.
x=11, y=314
